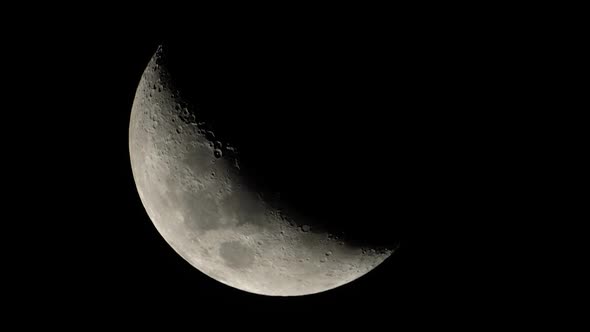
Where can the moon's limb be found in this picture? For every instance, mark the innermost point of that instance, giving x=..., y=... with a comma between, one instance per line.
x=191, y=187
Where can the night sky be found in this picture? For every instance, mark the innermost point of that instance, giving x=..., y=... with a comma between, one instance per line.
x=96, y=242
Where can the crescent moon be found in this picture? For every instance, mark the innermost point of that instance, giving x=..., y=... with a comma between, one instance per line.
x=195, y=193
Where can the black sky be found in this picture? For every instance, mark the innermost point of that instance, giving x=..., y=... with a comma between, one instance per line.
x=94, y=241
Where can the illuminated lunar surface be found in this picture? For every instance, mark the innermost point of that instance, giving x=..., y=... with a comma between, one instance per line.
x=193, y=190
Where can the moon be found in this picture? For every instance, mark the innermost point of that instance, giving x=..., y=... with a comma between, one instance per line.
x=200, y=190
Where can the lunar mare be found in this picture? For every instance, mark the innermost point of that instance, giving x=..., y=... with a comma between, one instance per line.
x=192, y=188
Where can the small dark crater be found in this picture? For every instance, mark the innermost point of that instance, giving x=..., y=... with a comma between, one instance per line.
x=210, y=135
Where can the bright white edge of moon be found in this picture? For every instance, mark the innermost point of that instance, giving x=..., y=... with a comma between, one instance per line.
x=203, y=210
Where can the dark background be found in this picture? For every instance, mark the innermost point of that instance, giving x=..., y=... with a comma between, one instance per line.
x=426, y=130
